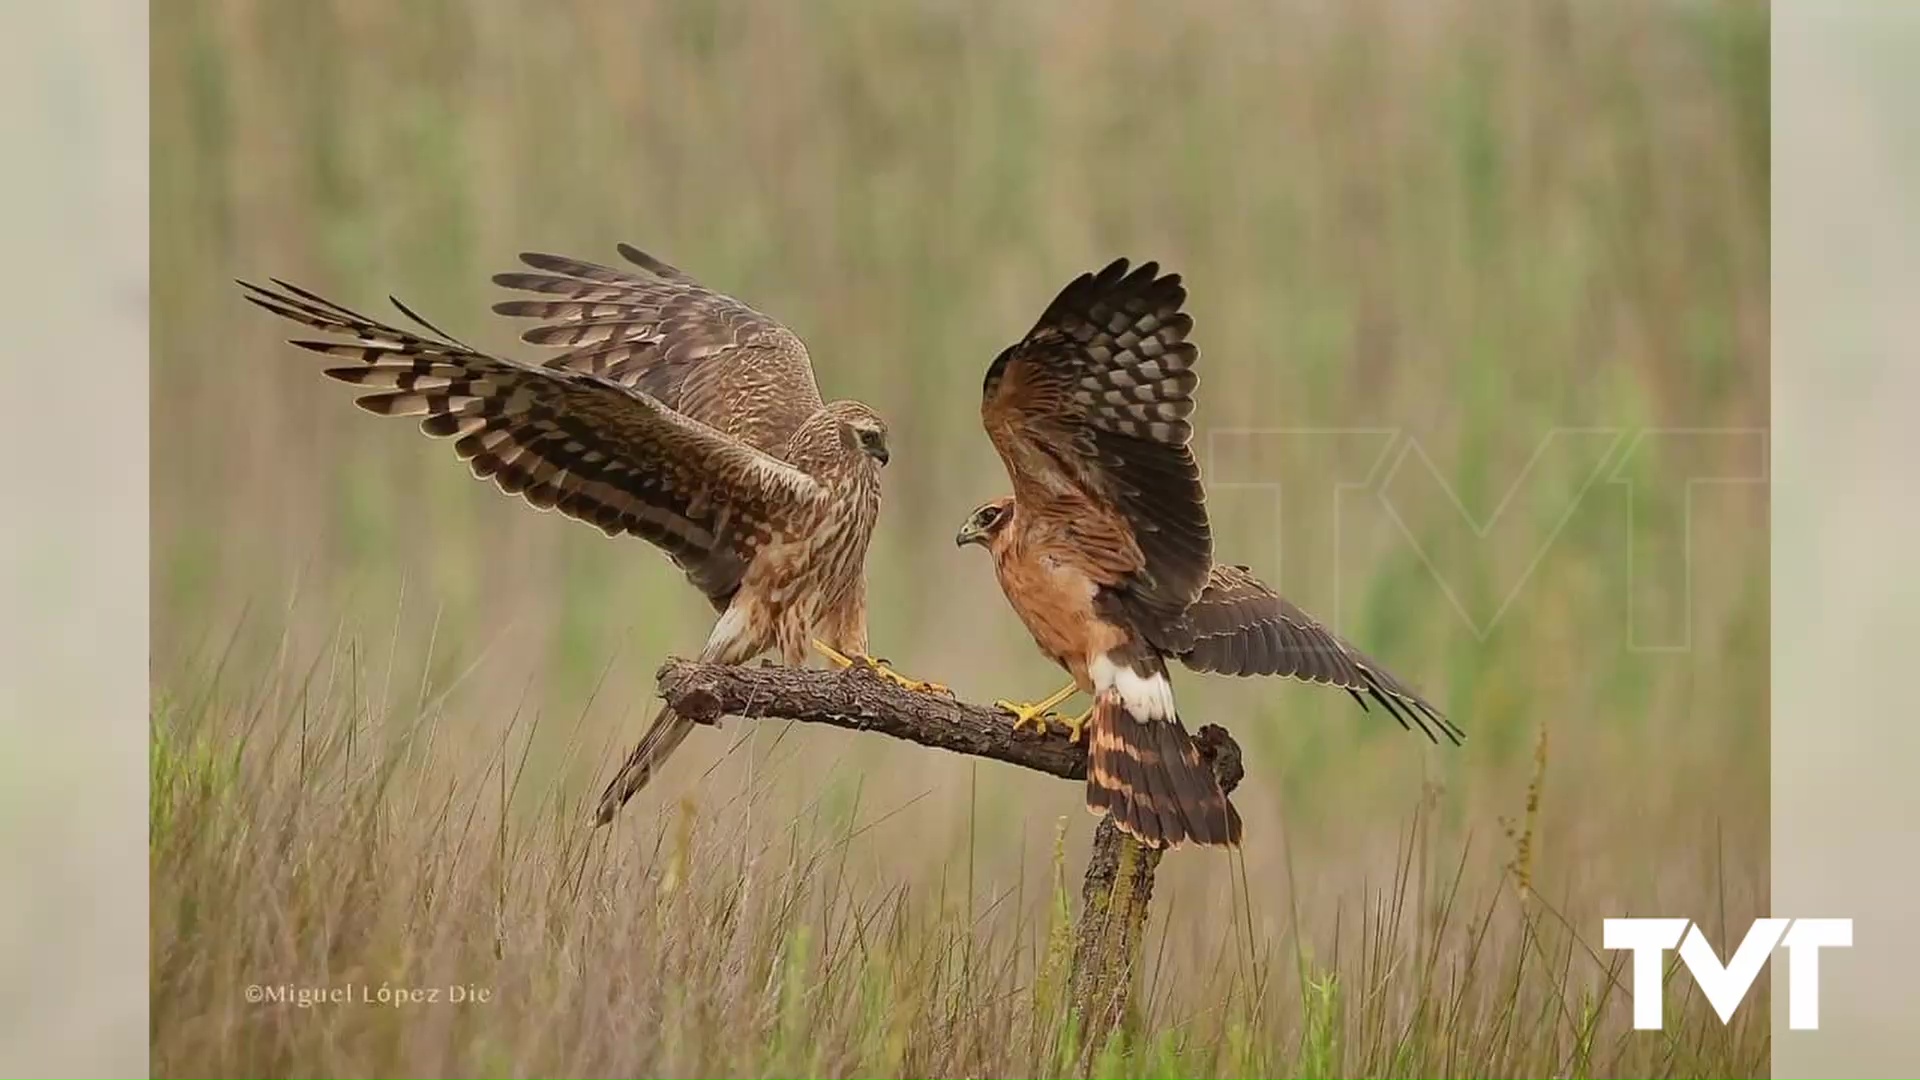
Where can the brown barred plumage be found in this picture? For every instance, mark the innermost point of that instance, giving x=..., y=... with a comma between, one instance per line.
x=1094, y=402
x=677, y=415
x=1149, y=775
x=1240, y=626
x=700, y=353
x=1105, y=551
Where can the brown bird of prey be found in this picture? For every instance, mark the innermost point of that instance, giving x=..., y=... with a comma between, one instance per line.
x=1105, y=552
x=675, y=414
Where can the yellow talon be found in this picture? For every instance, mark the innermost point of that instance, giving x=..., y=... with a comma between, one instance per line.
x=1035, y=715
x=920, y=686
x=1026, y=716
x=879, y=668
x=834, y=656
x=1076, y=725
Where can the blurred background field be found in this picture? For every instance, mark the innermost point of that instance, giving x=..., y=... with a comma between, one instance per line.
x=1481, y=296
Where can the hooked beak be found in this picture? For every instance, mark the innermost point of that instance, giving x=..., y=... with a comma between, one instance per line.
x=969, y=535
x=881, y=455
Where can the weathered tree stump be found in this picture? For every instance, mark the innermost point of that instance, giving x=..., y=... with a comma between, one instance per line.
x=1119, y=880
x=1114, y=900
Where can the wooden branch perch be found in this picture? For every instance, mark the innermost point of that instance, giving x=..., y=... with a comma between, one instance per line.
x=1119, y=878
x=859, y=700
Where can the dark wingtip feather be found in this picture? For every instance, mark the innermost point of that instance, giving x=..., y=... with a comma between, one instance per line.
x=1428, y=716
x=320, y=305
x=1411, y=711
x=304, y=294
x=422, y=321
x=266, y=301
x=1397, y=711
x=656, y=266
x=325, y=348
x=1454, y=732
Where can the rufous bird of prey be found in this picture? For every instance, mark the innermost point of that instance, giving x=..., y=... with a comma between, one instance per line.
x=1105, y=552
x=674, y=414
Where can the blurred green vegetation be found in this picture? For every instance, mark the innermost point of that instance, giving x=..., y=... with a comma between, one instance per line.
x=1480, y=290
x=749, y=939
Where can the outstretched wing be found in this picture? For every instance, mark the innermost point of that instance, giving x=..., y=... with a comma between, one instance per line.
x=658, y=330
x=565, y=440
x=1239, y=626
x=1092, y=406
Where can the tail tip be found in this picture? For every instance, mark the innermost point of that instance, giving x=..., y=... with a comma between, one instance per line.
x=1227, y=841
x=1161, y=786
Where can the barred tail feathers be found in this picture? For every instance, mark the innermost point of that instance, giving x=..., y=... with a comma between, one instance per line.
x=732, y=641
x=668, y=731
x=1149, y=775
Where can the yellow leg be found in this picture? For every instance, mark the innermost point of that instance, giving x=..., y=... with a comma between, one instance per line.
x=877, y=667
x=834, y=656
x=1076, y=725
x=1035, y=715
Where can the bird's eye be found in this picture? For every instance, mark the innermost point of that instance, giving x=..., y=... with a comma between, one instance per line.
x=988, y=515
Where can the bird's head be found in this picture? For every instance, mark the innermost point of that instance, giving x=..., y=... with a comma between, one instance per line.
x=861, y=430
x=986, y=522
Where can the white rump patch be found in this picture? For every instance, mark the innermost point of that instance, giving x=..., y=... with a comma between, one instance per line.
x=1147, y=697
